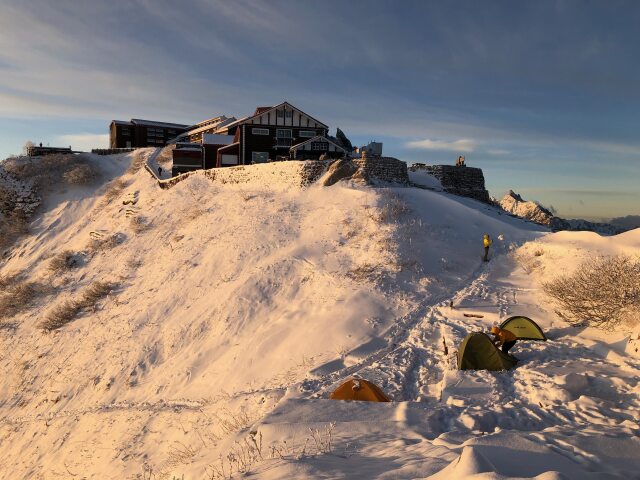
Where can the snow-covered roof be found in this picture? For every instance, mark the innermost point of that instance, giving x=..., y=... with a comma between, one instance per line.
x=233, y=123
x=317, y=138
x=206, y=127
x=212, y=120
x=152, y=123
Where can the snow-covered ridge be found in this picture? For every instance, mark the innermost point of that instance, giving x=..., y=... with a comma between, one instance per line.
x=533, y=211
x=241, y=304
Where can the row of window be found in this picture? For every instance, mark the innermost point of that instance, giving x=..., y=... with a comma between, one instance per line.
x=284, y=133
x=262, y=157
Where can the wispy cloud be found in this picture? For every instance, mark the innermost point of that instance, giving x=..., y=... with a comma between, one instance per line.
x=498, y=151
x=464, y=145
x=84, y=141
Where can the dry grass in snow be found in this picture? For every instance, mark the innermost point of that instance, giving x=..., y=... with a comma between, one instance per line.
x=603, y=292
x=64, y=261
x=65, y=312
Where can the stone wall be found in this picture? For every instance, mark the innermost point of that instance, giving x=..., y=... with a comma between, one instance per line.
x=463, y=181
x=284, y=174
x=296, y=173
x=386, y=169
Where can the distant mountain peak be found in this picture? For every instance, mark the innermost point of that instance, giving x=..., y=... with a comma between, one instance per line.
x=514, y=204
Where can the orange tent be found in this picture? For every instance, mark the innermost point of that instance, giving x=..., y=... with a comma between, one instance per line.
x=357, y=389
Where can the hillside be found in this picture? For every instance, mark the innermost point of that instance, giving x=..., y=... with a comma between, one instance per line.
x=235, y=305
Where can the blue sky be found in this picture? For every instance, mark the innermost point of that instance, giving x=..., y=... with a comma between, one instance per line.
x=543, y=96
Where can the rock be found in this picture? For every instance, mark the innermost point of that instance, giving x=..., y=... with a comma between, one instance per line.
x=339, y=170
x=343, y=140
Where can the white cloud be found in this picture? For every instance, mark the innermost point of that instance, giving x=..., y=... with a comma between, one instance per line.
x=461, y=145
x=498, y=151
x=84, y=141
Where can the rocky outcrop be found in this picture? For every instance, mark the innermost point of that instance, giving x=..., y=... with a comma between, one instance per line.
x=518, y=206
x=339, y=170
x=463, y=181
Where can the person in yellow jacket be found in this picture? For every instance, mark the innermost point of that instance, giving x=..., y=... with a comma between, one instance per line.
x=487, y=243
x=504, y=338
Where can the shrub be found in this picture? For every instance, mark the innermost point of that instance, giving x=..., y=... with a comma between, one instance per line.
x=65, y=312
x=48, y=170
x=107, y=243
x=139, y=224
x=64, y=261
x=80, y=175
x=137, y=161
x=392, y=207
x=17, y=296
x=603, y=292
x=114, y=190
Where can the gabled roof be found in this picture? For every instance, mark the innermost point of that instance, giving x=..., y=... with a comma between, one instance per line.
x=317, y=138
x=262, y=110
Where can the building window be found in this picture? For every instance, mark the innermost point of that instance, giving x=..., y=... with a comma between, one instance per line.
x=288, y=113
x=283, y=138
x=260, y=131
x=307, y=133
x=319, y=146
x=259, y=157
x=279, y=113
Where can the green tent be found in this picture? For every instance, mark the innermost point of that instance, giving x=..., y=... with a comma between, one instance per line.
x=524, y=328
x=477, y=352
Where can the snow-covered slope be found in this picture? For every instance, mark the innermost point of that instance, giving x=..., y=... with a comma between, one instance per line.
x=240, y=305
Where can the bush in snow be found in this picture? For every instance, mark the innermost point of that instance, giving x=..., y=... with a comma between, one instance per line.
x=69, y=309
x=80, y=175
x=64, y=261
x=114, y=190
x=139, y=224
x=17, y=296
x=604, y=292
x=391, y=208
x=49, y=170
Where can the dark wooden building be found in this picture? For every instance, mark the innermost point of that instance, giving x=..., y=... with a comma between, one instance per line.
x=138, y=133
x=312, y=148
x=186, y=158
x=268, y=135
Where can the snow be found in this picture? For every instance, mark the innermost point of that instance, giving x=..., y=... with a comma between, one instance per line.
x=247, y=299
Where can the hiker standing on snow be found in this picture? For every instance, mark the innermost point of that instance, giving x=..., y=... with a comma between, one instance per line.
x=504, y=338
x=487, y=243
